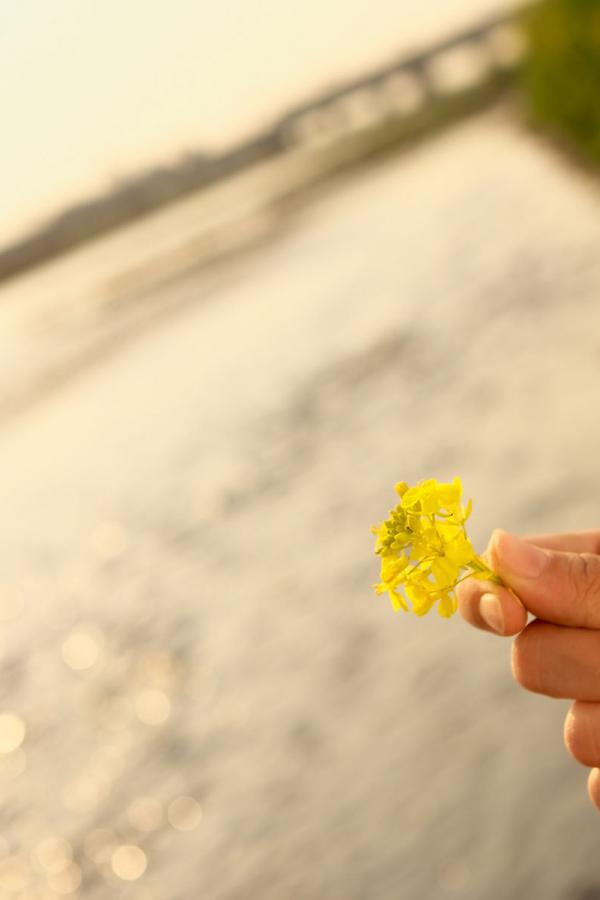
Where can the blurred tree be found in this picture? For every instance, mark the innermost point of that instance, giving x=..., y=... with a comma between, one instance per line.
x=562, y=71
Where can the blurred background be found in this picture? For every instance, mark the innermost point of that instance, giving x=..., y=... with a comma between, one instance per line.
x=259, y=262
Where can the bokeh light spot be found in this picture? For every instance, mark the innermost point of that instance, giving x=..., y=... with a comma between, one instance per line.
x=67, y=880
x=129, y=862
x=53, y=854
x=12, y=732
x=82, y=647
x=184, y=813
x=152, y=707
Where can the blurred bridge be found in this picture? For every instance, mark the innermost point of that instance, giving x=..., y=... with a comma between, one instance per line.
x=459, y=66
x=462, y=61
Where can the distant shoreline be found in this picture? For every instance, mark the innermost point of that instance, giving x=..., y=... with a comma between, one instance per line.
x=161, y=186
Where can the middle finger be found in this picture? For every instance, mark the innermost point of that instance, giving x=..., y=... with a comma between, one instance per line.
x=557, y=661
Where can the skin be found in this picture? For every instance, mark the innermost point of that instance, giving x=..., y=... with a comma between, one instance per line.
x=551, y=602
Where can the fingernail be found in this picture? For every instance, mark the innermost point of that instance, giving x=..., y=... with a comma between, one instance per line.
x=490, y=610
x=517, y=557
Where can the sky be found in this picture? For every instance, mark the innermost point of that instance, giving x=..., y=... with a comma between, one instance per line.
x=92, y=92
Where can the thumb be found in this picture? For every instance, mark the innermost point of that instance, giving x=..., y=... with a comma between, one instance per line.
x=554, y=585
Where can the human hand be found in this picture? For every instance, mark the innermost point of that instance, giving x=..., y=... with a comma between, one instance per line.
x=556, y=578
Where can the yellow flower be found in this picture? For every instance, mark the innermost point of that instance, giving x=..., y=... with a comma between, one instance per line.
x=424, y=548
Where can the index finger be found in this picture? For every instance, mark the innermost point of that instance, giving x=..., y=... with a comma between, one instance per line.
x=501, y=611
x=569, y=542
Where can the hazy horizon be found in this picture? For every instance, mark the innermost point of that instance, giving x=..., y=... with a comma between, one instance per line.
x=92, y=94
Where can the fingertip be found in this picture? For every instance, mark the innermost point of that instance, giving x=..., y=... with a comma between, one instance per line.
x=569, y=729
x=502, y=611
x=515, y=614
x=594, y=787
x=491, y=607
x=581, y=730
x=572, y=735
x=491, y=611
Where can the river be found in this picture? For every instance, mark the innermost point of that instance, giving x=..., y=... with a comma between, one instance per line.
x=187, y=563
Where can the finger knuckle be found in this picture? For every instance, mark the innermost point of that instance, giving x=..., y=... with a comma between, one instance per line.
x=584, y=582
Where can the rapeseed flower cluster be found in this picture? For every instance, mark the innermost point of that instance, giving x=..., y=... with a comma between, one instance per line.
x=424, y=548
